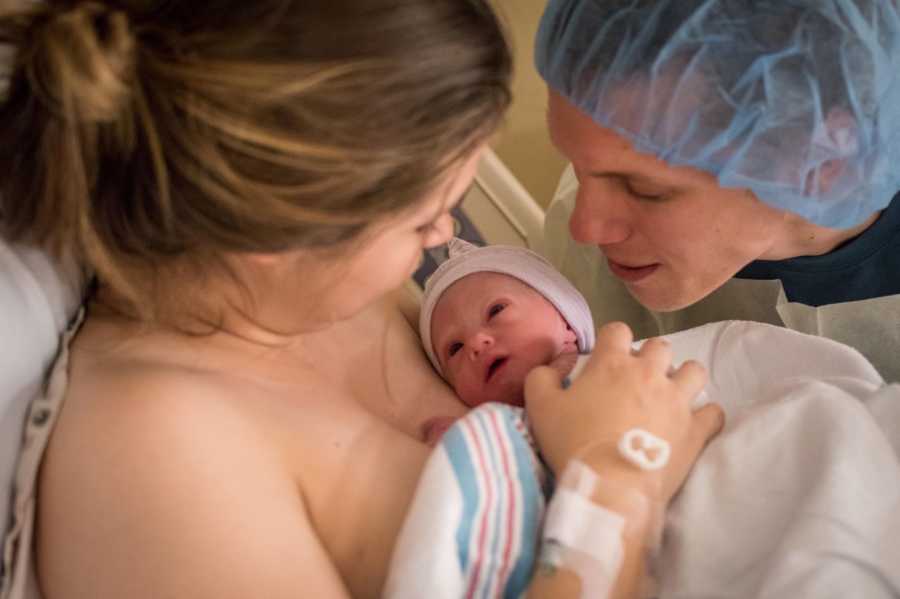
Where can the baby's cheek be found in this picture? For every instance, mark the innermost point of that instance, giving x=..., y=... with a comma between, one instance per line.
x=472, y=399
x=467, y=393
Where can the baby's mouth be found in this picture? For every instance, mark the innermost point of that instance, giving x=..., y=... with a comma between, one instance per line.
x=496, y=365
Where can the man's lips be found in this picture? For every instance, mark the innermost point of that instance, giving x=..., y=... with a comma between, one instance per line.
x=631, y=274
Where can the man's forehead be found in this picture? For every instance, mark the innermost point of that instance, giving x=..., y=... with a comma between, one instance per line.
x=601, y=152
x=585, y=142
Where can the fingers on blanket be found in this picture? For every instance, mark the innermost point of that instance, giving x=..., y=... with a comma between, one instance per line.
x=708, y=422
x=658, y=353
x=614, y=337
x=691, y=376
x=542, y=383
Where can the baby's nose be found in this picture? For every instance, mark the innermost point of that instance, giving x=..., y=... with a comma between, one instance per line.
x=479, y=343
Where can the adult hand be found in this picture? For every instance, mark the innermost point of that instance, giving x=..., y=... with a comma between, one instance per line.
x=564, y=364
x=617, y=391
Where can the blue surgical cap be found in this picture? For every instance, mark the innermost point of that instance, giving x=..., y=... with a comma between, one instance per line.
x=796, y=100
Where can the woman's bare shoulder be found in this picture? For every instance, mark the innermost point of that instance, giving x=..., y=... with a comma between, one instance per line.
x=123, y=378
x=155, y=478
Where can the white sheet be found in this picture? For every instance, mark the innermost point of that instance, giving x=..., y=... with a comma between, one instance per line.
x=37, y=299
x=800, y=494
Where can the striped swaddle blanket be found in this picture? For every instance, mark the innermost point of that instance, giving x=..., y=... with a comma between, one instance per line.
x=474, y=525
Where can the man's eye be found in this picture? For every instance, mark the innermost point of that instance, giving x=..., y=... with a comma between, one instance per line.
x=495, y=310
x=454, y=348
x=644, y=194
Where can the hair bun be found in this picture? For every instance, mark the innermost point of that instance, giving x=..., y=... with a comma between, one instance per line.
x=81, y=60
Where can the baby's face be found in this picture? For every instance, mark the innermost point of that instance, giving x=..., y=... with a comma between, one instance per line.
x=489, y=331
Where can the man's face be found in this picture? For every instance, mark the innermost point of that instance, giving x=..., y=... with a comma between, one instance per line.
x=671, y=234
x=489, y=330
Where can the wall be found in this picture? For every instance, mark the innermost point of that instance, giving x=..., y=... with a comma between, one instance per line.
x=524, y=143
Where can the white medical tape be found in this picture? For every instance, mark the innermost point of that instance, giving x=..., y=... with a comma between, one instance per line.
x=581, y=536
x=578, y=523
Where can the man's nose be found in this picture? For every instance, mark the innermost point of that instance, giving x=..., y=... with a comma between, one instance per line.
x=479, y=343
x=601, y=215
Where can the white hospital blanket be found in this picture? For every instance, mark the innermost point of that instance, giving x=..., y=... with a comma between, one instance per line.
x=799, y=496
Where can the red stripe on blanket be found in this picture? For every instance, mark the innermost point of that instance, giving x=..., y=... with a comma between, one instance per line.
x=512, y=512
x=489, y=500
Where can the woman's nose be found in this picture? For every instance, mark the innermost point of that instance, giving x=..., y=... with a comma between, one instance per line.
x=441, y=231
x=601, y=216
x=479, y=343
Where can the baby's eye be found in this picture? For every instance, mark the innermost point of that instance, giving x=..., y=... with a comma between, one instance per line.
x=454, y=347
x=495, y=310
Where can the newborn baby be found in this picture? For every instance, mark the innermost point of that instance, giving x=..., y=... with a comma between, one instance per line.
x=492, y=314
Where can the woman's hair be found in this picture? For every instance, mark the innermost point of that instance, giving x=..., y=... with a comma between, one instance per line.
x=138, y=135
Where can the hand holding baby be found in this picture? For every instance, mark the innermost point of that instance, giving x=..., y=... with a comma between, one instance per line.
x=617, y=391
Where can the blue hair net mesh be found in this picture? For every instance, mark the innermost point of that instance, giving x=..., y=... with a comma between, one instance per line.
x=797, y=100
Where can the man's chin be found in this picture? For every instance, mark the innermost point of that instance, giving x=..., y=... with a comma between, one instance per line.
x=665, y=302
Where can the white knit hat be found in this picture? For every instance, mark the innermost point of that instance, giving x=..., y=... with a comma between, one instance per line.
x=523, y=264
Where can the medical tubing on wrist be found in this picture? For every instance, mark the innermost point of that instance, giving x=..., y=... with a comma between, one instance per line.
x=585, y=537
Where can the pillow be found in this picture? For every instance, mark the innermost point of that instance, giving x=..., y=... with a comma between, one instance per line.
x=37, y=299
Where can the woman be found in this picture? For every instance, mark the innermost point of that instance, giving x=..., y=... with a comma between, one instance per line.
x=251, y=184
x=732, y=159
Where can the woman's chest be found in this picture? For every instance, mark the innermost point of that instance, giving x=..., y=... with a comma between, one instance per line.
x=379, y=364
x=353, y=436
x=356, y=474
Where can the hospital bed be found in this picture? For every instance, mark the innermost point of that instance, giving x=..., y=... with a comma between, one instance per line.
x=38, y=298
x=504, y=211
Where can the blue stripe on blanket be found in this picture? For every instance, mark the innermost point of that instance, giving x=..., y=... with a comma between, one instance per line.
x=532, y=514
x=457, y=448
x=495, y=469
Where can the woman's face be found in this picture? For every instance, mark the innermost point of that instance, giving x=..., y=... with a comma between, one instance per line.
x=489, y=330
x=392, y=253
x=671, y=234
